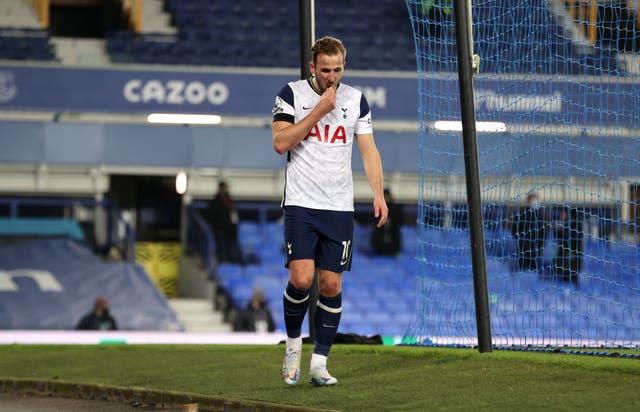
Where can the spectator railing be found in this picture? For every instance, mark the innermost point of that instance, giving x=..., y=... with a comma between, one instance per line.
x=200, y=238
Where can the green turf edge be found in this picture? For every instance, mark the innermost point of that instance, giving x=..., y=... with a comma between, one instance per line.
x=141, y=397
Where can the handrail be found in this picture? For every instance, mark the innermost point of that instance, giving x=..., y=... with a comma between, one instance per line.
x=200, y=237
x=593, y=21
x=41, y=8
x=585, y=12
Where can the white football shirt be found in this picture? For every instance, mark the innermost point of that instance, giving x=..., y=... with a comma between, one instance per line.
x=318, y=173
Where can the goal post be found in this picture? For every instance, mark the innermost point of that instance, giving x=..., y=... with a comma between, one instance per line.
x=464, y=42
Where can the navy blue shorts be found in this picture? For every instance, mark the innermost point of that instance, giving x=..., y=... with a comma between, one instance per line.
x=326, y=236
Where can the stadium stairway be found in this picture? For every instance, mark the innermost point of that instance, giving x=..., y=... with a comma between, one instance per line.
x=155, y=19
x=81, y=52
x=195, y=305
x=198, y=315
x=18, y=14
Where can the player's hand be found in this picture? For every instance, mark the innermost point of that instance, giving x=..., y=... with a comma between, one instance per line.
x=380, y=211
x=327, y=101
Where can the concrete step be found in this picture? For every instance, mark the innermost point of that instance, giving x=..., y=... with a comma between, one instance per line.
x=81, y=51
x=193, y=282
x=14, y=13
x=155, y=19
x=197, y=315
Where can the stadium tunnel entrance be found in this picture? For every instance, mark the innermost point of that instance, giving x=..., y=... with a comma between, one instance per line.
x=152, y=204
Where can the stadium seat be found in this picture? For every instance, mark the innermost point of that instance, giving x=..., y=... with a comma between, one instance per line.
x=25, y=44
x=243, y=29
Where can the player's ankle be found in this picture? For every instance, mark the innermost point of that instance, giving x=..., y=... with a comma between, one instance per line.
x=294, y=343
x=318, y=361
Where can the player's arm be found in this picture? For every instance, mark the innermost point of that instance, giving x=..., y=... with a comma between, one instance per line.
x=286, y=134
x=373, y=170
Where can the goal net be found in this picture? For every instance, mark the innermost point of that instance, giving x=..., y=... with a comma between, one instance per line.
x=558, y=137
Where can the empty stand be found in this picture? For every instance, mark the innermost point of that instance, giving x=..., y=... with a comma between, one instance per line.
x=377, y=34
x=21, y=34
x=25, y=44
x=266, y=34
x=51, y=283
x=379, y=292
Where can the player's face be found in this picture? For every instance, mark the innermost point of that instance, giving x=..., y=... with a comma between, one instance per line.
x=328, y=70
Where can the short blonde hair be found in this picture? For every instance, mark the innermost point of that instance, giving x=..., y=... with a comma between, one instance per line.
x=327, y=45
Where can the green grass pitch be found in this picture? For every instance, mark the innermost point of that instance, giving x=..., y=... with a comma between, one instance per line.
x=370, y=377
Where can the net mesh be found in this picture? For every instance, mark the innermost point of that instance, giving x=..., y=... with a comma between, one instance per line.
x=559, y=150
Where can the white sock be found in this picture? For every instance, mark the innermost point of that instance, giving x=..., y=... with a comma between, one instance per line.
x=295, y=343
x=318, y=361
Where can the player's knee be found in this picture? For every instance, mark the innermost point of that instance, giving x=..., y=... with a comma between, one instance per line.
x=301, y=274
x=301, y=282
x=330, y=287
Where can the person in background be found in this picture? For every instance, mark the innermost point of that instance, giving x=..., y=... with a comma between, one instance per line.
x=386, y=240
x=529, y=230
x=223, y=218
x=99, y=318
x=315, y=122
x=569, y=234
x=256, y=316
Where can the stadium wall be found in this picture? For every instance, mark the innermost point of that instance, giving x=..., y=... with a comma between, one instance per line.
x=65, y=130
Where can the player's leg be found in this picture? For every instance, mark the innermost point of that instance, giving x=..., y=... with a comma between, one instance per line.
x=327, y=321
x=301, y=241
x=296, y=295
x=295, y=303
x=334, y=257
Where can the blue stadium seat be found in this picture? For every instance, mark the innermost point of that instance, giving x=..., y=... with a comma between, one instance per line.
x=244, y=29
x=25, y=44
x=227, y=271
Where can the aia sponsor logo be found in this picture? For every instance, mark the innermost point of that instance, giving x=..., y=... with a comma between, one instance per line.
x=328, y=134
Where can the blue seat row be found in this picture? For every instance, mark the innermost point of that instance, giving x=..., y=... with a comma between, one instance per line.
x=518, y=37
x=383, y=302
x=19, y=47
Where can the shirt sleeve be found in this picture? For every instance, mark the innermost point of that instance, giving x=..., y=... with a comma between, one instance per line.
x=363, y=125
x=284, y=107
